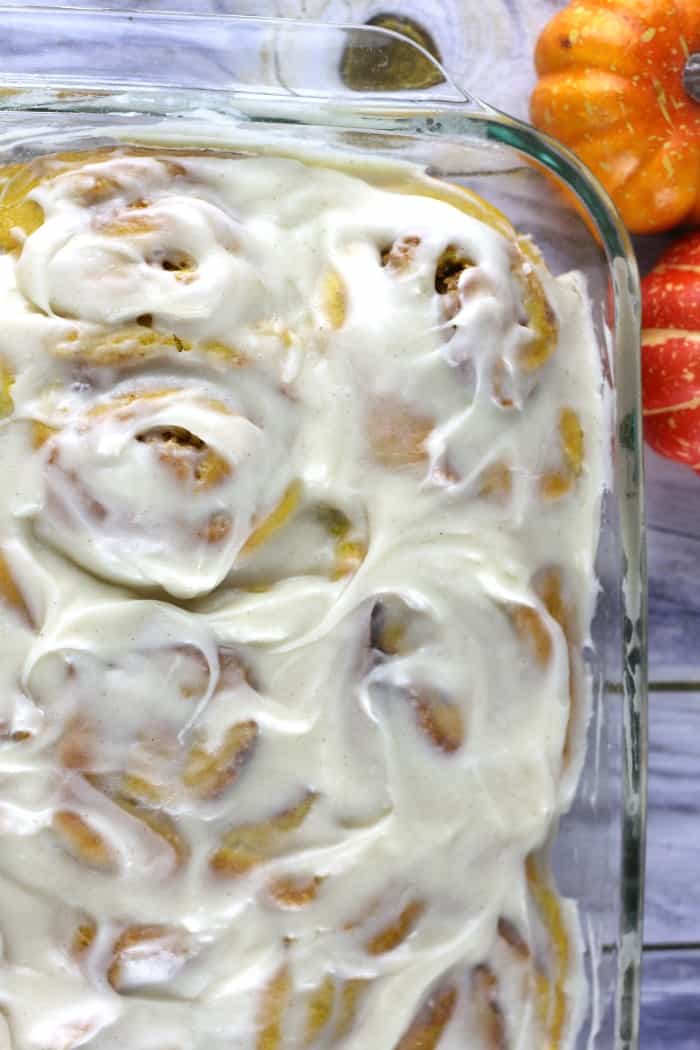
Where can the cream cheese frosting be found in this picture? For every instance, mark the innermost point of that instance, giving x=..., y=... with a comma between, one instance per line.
x=297, y=538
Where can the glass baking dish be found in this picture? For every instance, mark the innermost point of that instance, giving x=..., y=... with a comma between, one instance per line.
x=79, y=79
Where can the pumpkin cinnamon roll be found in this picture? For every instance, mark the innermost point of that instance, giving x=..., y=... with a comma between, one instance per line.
x=129, y=227
x=164, y=482
x=177, y=748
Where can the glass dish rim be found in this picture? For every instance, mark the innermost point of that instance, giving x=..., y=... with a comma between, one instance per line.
x=469, y=118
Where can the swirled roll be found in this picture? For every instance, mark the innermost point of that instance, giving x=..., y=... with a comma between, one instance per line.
x=162, y=482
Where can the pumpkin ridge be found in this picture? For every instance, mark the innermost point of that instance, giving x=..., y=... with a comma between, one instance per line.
x=656, y=336
x=604, y=169
x=670, y=353
x=591, y=95
x=606, y=32
x=689, y=18
x=647, y=15
x=677, y=406
x=671, y=267
x=670, y=182
x=581, y=140
x=610, y=85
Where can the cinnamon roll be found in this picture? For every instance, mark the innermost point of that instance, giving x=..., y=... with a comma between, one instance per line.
x=163, y=482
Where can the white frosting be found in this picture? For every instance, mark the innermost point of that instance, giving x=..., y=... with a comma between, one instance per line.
x=341, y=468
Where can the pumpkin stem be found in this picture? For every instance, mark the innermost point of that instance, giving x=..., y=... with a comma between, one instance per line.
x=691, y=77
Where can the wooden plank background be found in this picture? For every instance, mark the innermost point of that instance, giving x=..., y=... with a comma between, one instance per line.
x=671, y=988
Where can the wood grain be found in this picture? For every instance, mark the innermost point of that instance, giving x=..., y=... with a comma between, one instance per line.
x=671, y=978
x=673, y=518
x=673, y=844
x=671, y=1001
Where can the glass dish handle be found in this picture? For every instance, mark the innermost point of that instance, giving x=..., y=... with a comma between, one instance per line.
x=53, y=53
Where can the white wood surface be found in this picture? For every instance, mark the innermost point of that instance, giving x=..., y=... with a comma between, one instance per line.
x=673, y=856
x=673, y=518
x=671, y=1001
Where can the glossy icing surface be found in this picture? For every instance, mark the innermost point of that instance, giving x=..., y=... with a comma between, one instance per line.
x=301, y=500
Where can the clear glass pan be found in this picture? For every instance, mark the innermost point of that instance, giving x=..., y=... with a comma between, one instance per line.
x=228, y=80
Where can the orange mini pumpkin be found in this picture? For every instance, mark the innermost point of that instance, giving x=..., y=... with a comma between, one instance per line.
x=619, y=85
x=671, y=353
